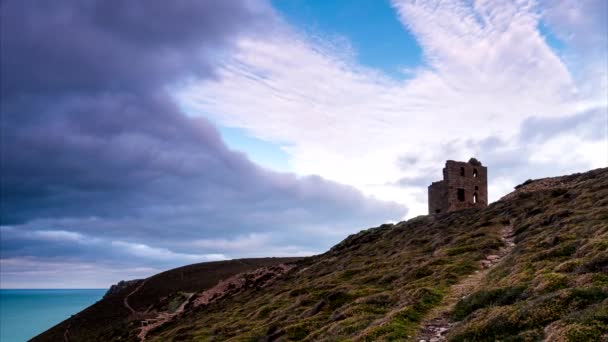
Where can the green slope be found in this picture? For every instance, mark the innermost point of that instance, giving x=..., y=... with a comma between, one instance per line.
x=381, y=283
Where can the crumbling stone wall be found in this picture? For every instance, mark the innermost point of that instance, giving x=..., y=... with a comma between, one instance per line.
x=464, y=185
x=438, y=197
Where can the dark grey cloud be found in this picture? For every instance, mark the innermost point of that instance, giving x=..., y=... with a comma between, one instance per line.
x=105, y=148
x=137, y=158
x=92, y=46
x=93, y=145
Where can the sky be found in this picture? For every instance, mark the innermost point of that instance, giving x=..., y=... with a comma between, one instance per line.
x=139, y=136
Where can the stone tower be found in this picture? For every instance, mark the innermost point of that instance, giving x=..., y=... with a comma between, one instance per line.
x=464, y=185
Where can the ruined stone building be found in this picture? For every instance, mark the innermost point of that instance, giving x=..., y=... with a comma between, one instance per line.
x=464, y=185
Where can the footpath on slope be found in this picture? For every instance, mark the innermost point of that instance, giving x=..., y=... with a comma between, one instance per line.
x=258, y=278
x=162, y=318
x=437, y=323
x=126, y=299
x=66, y=333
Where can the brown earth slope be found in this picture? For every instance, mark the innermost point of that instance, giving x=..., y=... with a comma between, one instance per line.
x=532, y=266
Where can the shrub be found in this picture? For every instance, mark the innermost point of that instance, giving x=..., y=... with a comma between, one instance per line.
x=337, y=299
x=559, y=251
x=296, y=332
x=589, y=324
x=597, y=264
x=552, y=281
x=461, y=250
x=404, y=322
x=482, y=299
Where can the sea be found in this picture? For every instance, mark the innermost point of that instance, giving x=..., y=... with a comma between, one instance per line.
x=26, y=313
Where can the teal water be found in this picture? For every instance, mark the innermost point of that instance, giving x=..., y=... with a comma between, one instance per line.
x=26, y=313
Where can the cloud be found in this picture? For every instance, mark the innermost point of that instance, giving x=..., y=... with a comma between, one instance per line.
x=105, y=178
x=579, y=23
x=488, y=69
x=581, y=28
x=34, y=272
x=588, y=125
x=94, y=46
x=99, y=164
x=544, y=147
x=147, y=252
x=259, y=244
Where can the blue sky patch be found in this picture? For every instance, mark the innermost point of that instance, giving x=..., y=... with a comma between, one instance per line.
x=261, y=152
x=552, y=40
x=372, y=28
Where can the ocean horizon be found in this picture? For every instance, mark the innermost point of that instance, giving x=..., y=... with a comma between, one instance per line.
x=25, y=313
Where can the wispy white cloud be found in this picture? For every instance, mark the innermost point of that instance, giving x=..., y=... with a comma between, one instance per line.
x=582, y=26
x=256, y=245
x=52, y=235
x=144, y=251
x=34, y=272
x=64, y=259
x=487, y=69
x=578, y=23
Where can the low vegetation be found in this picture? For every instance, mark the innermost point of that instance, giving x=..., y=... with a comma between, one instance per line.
x=555, y=283
x=381, y=283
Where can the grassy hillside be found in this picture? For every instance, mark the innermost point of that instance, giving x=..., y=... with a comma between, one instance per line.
x=109, y=319
x=531, y=266
x=381, y=283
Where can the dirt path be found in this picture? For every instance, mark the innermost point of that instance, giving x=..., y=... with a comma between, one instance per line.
x=161, y=318
x=126, y=299
x=230, y=286
x=66, y=333
x=437, y=323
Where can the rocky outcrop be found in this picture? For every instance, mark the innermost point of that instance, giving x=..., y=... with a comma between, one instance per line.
x=121, y=285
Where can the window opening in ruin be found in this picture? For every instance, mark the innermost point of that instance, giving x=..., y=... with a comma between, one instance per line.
x=476, y=187
x=460, y=195
x=437, y=211
x=474, y=173
x=474, y=198
x=462, y=171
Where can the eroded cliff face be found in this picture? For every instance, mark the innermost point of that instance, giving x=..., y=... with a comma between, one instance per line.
x=531, y=266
